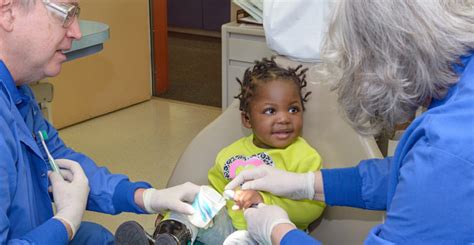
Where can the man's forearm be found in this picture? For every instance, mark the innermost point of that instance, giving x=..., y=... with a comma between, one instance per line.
x=68, y=228
x=138, y=197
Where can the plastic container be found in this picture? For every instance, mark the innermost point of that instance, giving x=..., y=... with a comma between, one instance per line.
x=207, y=204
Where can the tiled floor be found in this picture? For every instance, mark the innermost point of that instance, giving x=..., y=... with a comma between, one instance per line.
x=143, y=141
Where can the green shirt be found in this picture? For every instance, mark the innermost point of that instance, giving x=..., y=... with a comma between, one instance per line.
x=298, y=157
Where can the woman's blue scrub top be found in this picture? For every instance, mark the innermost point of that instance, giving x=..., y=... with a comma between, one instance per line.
x=427, y=188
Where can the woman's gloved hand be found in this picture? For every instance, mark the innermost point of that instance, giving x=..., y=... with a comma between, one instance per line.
x=262, y=220
x=70, y=194
x=176, y=198
x=265, y=178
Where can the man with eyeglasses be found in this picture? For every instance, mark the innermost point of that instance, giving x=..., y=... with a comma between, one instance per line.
x=33, y=37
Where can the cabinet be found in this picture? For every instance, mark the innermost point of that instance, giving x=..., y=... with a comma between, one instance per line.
x=241, y=45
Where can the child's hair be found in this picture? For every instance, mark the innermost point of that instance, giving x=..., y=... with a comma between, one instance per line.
x=264, y=71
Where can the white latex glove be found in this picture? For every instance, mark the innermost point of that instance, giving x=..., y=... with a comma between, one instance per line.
x=262, y=220
x=281, y=183
x=177, y=198
x=70, y=194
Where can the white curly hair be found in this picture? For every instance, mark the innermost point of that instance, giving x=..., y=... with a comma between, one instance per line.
x=389, y=57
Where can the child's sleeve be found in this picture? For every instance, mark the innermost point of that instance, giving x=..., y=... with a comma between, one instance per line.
x=300, y=212
x=216, y=176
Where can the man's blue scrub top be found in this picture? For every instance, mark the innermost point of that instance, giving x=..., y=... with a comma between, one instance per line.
x=25, y=204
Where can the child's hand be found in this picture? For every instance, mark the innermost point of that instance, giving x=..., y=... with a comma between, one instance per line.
x=245, y=198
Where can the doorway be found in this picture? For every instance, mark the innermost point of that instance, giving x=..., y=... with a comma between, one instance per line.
x=187, y=63
x=159, y=46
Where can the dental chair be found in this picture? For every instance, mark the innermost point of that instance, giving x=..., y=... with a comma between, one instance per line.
x=324, y=128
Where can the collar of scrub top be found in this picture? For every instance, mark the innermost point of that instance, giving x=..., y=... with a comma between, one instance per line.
x=18, y=96
x=7, y=79
x=459, y=69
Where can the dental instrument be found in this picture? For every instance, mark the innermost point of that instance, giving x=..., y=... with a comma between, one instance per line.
x=229, y=194
x=44, y=136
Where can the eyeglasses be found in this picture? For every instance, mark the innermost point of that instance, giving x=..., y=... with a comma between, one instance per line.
x=66, y=12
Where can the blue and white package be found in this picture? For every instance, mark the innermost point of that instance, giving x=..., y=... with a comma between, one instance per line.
x=207, y=204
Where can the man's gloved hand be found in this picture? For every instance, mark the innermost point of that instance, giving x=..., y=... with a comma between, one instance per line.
x=176, y=198
x=281, y=183
x=70, y=194
x=262, y=220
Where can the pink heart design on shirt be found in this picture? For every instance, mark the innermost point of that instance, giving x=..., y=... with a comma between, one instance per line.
x=253, y=161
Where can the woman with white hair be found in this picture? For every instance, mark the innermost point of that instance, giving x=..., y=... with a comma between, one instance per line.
x=387, y=59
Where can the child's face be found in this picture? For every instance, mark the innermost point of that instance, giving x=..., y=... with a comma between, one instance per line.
x=275, y=114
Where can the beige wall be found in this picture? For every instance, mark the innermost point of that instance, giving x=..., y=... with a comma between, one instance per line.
x=116, y=77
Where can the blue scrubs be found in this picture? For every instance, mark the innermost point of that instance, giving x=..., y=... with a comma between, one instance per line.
x=427, y=188
x=25, y=204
